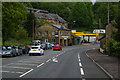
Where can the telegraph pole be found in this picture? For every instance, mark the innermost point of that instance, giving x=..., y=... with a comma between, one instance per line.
x=108, y=13
x=33, y=29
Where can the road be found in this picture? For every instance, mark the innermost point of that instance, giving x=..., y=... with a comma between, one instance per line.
x=71, y=62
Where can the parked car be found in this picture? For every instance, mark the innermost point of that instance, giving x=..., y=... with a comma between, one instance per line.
x=53, y=43
x=49, y=45
x=19, y=50
x=44, y=46
x=36, y=41
x=26, y=49
x=57, y=47
x=8, y=51
x=36, y=50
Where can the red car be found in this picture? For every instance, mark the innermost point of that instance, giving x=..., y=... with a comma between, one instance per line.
x=57, y=47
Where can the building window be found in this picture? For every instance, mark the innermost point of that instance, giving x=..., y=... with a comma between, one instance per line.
x=56, y=32
x=46, y=32
x=46, y=40
x=39, y=33
x=53, y=33
x=61, y=33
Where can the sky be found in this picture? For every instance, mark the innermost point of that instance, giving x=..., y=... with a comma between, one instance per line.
x=93, y=1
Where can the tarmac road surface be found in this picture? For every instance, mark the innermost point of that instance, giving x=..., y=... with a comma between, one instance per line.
x=71, y=62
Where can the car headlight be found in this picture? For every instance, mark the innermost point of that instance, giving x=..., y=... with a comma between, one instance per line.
x=8, y=52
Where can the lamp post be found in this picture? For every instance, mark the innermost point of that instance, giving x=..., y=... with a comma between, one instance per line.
x=73, y=23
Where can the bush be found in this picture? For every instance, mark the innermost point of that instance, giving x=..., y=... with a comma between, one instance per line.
x=115, y=47
x=17, y=42
x=21, y=33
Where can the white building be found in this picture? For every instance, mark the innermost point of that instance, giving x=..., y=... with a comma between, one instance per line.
x=99, y=31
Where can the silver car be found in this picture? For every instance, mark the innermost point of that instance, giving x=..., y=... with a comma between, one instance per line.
x=8, y=51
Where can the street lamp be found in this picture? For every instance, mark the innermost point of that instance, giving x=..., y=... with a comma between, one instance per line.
x=73, y=23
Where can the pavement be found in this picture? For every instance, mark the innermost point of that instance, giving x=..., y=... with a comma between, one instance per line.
x=109, y=64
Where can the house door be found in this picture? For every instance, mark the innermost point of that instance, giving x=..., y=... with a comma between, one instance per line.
x=61, y=42
x=64, y=42
x=78, y=41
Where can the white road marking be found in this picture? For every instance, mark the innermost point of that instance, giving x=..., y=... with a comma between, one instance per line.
x=11, y=72
x=55, y=60
x=29, y=62
x=15, y=67
x=79, y=60
x=80, y=64
x=3, y=58
x=22, y=64
x=48, y=60
x=83, y=79
x=78, y=56
x=57, y=55
x=81, y=70
x=41, y=64
x=26, y=73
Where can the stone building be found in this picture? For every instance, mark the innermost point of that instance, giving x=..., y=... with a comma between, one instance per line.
x=55, y=28
x=51, y=32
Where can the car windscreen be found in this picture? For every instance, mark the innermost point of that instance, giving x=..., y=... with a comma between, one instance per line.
x=34, y=47
x=6, y=48
x=57, y=45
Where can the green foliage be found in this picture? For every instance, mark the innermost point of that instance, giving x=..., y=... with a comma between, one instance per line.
x=30, y=22
x=21, y=33
x=100, y=11
x=17, y=42
x=117, y=34
x=12, y=15
x=42, y=22
x=81, y=13
x=115, y=47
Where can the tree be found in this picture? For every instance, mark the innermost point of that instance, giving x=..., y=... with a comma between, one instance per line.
x=100, y=11
x=118, y=24
x=12, y=15
x=30, y=23
x=21, y=33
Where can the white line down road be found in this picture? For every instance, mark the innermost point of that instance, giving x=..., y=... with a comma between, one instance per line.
x=48, y=60
x=81, y=70
x=41, y=64
x=80, y=64
x=55, y=60
x=26, y=73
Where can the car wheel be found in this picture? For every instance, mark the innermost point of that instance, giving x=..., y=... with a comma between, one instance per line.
x=30, y=54
x=17, y=54
x=14, y=55
x=11, y=55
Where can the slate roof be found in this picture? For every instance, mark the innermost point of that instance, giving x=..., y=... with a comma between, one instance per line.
x=49, y=16
x=37, y=10
x=61, y=27
x=43, y=14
